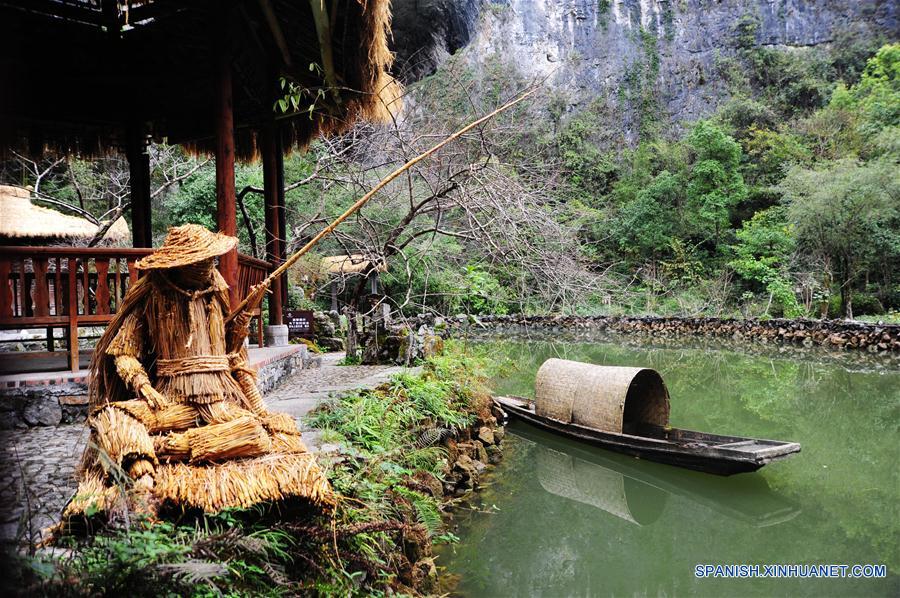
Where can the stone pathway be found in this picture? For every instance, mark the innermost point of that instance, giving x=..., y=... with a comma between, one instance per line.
x=37, y=467
x=298, y=395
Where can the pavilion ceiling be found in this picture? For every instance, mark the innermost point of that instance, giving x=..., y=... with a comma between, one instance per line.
x=75, y=74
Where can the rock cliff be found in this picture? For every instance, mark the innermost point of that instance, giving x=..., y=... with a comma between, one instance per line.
x=618, y=49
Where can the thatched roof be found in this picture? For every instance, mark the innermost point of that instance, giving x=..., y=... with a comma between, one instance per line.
x=22, y=221
x=77, y=74
x=343, y=265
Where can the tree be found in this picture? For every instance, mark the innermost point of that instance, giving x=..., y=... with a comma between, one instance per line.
x=715, y=185
x=848, y=213
x=645, y=224
x=765, y=245
x=98, y=189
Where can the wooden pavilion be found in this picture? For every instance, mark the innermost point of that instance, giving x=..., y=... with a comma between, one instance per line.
x=93, y=76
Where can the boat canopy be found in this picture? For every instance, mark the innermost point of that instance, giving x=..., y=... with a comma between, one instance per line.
x=608, y=398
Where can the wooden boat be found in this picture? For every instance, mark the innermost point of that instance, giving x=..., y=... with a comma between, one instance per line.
x=627, y=410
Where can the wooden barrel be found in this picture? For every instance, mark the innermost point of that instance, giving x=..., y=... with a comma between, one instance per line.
x=607, y=398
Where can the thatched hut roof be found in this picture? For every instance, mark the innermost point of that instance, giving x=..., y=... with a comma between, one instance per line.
x=21, y=221
x=77, y=75
x=344, y=265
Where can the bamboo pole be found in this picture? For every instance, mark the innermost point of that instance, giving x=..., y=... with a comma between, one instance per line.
x=258, y=291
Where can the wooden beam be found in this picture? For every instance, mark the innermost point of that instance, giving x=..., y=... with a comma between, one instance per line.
x=139, y=167
x=226, y=202
x=323, y=32
x=275, y=29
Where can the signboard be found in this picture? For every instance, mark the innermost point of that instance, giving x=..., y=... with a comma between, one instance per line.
x=299, y=323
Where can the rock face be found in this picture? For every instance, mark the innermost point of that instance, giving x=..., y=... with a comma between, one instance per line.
x=425, y=32
x=589, y=49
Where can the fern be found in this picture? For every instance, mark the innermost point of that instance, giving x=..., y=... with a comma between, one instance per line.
x=194, y=572
x=432, y=436
x=427, y=512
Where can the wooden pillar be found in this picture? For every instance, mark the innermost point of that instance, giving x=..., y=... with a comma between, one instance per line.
x=280, y=210
x=226, y=202
x=274, y=244
x=139, y=180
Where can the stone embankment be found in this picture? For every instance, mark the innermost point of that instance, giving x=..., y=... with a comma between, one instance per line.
x=835, y=334
x=470, y=454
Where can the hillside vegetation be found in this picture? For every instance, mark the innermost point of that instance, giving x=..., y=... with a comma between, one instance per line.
x=785, y=202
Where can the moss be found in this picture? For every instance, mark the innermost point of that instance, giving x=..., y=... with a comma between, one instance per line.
x=638, y=90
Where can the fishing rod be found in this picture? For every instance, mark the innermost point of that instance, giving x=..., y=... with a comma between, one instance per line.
x=258, y=290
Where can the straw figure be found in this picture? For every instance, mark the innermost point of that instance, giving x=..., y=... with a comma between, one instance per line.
x=175, y=414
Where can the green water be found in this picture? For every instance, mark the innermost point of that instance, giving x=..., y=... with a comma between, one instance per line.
x=560, y=519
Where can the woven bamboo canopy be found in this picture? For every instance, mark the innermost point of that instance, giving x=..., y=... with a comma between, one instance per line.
x=23, y=222
x=607, y=398
x=76, y=74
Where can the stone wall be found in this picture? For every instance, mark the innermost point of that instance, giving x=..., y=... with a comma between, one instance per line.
x=835, y=334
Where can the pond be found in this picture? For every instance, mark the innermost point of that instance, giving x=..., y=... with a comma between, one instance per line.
x=557, y=518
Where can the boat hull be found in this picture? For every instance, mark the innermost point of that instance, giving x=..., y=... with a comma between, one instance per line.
x=715, y=457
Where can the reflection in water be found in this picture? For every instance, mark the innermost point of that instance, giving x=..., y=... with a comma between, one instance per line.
x=565, y=519
x=637, y=491
x=567, y=476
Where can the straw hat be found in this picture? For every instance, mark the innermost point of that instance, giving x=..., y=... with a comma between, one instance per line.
x=188, y=244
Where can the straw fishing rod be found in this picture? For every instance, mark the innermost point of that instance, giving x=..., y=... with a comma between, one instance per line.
x=252, y=296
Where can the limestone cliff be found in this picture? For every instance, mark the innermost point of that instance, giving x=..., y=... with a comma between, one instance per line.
x=610, y=48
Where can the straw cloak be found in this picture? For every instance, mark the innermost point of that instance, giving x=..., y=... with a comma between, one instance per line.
x=175, y=416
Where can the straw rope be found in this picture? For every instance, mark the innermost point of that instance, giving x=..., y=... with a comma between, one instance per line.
x=195, y=364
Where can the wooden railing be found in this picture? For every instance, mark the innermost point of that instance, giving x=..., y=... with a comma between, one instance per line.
x=68, y=287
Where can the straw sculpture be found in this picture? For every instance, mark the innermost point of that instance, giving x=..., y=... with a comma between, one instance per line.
x=175, y=408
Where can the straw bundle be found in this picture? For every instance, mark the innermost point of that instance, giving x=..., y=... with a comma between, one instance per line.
x=166, y=419
x=246, y=379
x=174, y=418
x=601, y=397
x=283, y=442
x=93, y=494
x=122, y=438
x=221, y=412
x=280, y=422
x=243, y=483
x=243, y=437
x=173, y=447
